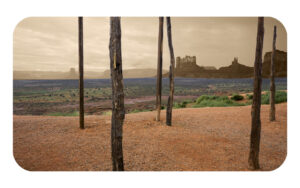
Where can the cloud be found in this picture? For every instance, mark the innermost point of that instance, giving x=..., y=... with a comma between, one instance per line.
x=51, y=43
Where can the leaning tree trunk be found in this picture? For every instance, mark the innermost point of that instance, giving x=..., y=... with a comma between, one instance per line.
x=159, y=67
x=81, y=98
x=255, y=112
x=272, y=84
x=171, y=74
x=118, y=112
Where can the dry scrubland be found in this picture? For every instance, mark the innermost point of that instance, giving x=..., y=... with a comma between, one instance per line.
x=200, y=139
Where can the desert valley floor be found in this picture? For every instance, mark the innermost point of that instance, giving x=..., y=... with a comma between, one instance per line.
x=200, y=139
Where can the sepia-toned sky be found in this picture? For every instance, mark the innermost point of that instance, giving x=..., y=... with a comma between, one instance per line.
x=51, y=43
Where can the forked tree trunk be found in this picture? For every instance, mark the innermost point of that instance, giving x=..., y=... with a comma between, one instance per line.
x=118, y=111
x=171, y=74
x=159, y=67
x=272, y=82
x=255, y=111
x=81, y=98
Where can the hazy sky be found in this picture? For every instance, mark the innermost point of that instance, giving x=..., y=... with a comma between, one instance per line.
x=51, y=43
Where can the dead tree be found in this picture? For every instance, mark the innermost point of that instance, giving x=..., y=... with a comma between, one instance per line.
x=118, y=111
x=272, y=82
x=159, y=67
x=171, y=74
x=255, y=111
x=81, y=98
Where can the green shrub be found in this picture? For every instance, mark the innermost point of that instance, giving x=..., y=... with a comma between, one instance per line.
x=237, y=97
x=178, y=105
x=107, y=113
x=205, y=97
x=249, y=96
x=280, y=97
x=215, y=101
x=137, y=111
x=74, y=113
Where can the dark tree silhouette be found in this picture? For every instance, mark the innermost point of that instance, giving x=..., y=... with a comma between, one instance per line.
x=171, y=74
x=255, y=111
x=159, y=67
x=118, y=111
x=272, y=82
x=81, y=98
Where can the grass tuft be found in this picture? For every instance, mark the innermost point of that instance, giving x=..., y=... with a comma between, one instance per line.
x=74, y=113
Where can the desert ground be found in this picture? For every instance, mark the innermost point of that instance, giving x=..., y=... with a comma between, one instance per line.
x=201, y=139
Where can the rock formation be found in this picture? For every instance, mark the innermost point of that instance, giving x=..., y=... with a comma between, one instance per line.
x=280, y=64
x=187, y=67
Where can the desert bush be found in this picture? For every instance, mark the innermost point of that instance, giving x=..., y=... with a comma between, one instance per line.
x=249, y=96
x=204, y=98
x=137, y=110
x=179, y=105
x=280, y=97
x=74, y=113
x=237, y=97
x=215, y=101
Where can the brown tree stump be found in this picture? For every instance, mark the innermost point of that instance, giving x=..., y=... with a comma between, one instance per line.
x=118, y=111
x=81, y=87
x=256, y=104
x=272, y=81
x=159, y=67
x=171, y=74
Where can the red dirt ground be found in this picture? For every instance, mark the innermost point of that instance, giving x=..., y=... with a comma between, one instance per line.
x=200, y=139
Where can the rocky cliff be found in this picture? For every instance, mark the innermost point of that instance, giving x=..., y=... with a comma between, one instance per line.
x=187, y=67
x=280, y=64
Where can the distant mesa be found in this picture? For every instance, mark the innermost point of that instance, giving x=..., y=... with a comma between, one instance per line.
x=72, y=74
x=187, y=67
x=280, y=64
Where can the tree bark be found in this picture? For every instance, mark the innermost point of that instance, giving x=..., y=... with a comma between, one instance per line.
x=159, y=67
x=118, y=111
x=272, y=81
x=81, y=97
x=255, y=111
x=171, y=74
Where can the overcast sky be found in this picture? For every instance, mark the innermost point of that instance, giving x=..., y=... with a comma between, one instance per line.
x=51, y=43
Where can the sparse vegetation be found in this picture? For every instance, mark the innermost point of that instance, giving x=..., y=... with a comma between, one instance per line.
x=280, y=96
x=180, y=104
x=215, y=101
x=44, y=98
x=249, y=96
x=137, y=111
x=74, y=113
x=223, y=101
x=107, y=113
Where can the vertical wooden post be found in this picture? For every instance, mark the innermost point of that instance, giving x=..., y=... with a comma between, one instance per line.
x=255, y=111
x=118, y=111
x=159, y=67
x=272, y=81
x=171, y=74
x=81, y=97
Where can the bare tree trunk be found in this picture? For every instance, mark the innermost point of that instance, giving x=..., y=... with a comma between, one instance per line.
x=81, y=98
x=171, y=74
x=159, y=67
x=118, y=111
x=255, y=112
x=272, y=82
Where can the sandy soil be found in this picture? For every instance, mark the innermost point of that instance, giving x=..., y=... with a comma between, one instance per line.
x=200, y=139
